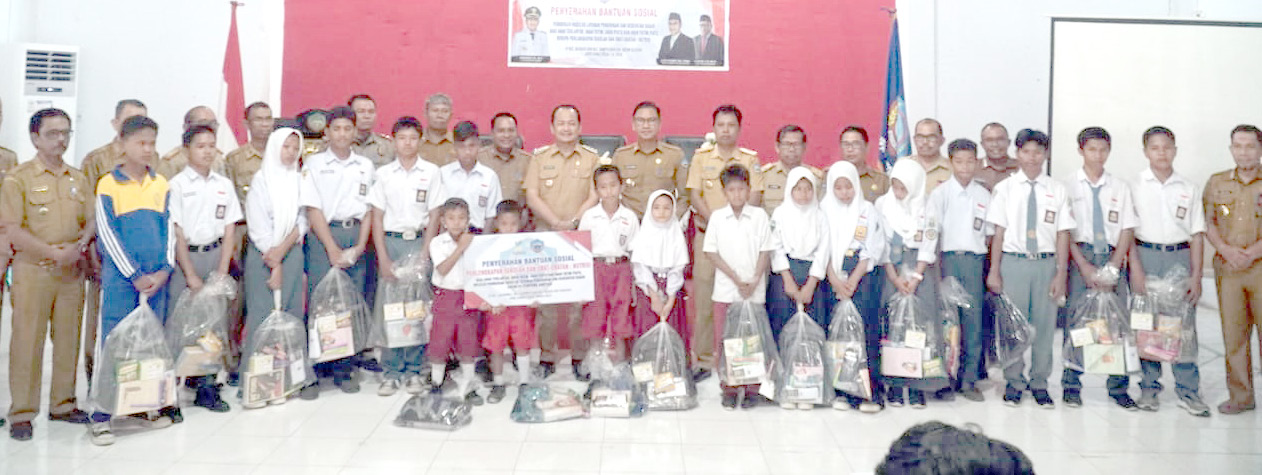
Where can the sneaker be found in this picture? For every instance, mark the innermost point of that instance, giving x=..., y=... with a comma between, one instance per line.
x=498, y=392
x=548, y=368
x=253, y=405
x=729, y=400
x=750, y=401
x=388, y=387
x=972, y=394
x=917, y=398
x=1148, y=401
x=1193, y=404
x=1073, y=398
x=75, y=416
x=22, y=431
x=1124, y=401
x=369, y=364
x=310, y=392
x=234, y=379
x=349, y=386
x=700, y=375
x=152, y=420
x=1012, y=396
x=483, y=369
x=173, y=414
x=1232, y=408
x=870, y=407
x=473, y=398
x=895, y=397
x=788, y=405
x=278, y=401
x=414, y=384
x=1043, y=399
x=841, y=404
x=578, y=373
x=805, y=406
x=101, y=433
x=208, y=397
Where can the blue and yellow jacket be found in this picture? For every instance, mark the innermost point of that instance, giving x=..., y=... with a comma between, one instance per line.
x=133, y=223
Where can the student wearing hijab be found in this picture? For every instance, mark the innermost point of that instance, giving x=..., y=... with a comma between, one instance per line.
x=659, y=253
x=907, y=268
x=801, y=256
x=856, y=244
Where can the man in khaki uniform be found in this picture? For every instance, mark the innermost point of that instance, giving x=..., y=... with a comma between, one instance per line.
x=8, y=160
x=649, y=164
x=45, y=205
x=790, y=146
x=95, y=165
x=437, y=144
x=998, y=164
x=928, y=141
x=1233, y=218
x=175, y=160
x=854, y=149
x=246, y=160
x=559, y=188
x=379, y=148
x=706, y=193
x=505, y=159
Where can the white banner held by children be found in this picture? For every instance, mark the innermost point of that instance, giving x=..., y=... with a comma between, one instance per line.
x=508, y=270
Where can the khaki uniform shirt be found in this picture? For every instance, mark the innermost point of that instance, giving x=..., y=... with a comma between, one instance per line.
x=563, y=181
x=174, y=162
x=8, y=160
x=1235, y=207
x=242, y=164
x=377, y=148
x=936, y=173
x=438, y=150
x=313, y=146
x=874, y=183
x=774, y=178
x=510, y=168
x=52, y=205
x=645, y=171
x=707, y=166
x=992, y=175
x=103, y=160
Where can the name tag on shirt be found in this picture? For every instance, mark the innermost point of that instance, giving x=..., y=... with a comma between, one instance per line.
x=420, y=196
x=1049, y=217
x=977, y=224
x=860, y=233
x=363, y=189
x=1113, y=217
x=220, y=211
x=1181, y=213
x=482, y=201
x=920, y=235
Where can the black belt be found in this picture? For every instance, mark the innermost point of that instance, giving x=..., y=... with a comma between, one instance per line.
x=346, y=223
x=1163, y=247
x=207, y=248
x=408, y=236
x=1033, y=257
x=962, y=253
x=611, y=260
x=1090, y=247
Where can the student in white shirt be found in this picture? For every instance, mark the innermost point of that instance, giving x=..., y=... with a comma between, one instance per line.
x=402, y=197
x=204, y=212
x=1029, y=258
x=455, y=327
x=799, y=263
x=957, y=210
x=613, y=226
x=1171, y=233
x=471, y=181
x=659, y=254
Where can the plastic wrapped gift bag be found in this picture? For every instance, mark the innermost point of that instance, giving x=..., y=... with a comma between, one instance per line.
x=338, y=318
x=802, y=352
x=433, y=411
x=748, y=355
x=1014, y=334
x=539, y=402
x=846, y=353
x=135, y=372
x=1163, y=319
x=197, y=329
x=274, y=360
x=402, y=311
x=1100, y=339
x=914, y=348
x=954, y=298
x=660, y=367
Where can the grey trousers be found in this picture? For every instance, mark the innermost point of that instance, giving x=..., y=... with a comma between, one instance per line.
x=1027, y=283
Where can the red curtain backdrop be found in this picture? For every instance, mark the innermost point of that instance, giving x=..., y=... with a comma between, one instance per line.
x=820, y=65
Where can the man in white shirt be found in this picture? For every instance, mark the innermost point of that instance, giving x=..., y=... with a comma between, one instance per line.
x=1029, y=258
x=473, y=182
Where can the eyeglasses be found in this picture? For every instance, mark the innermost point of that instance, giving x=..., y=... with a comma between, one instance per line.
x=792, y=144
x=648, y=121
x=924, y=137
x=58, y=134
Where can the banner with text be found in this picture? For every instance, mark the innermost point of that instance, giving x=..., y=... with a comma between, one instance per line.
x=505, y=270
x=619, y=34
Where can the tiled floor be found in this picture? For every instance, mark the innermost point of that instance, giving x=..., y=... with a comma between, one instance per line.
x=353, y=434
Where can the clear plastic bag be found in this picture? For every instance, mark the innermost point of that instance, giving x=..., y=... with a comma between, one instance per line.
x=197, y=329
x=847, y=354
x=802, y=352
x=1100, y=339
x=135, y=371
x=1014, y=334
x=274, y=359
x=433, y=411
x=338, y=318
x=401, y=316
x=749, y=355
x=539, y=402
x=1164, y=321
x=660, y=367
x=954, y=298
x=914, y=347
x=953, y=294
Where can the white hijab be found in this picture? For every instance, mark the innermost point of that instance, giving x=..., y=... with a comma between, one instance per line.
x=283, y=183
x=798, y=226
x=657, y=244
x=903, y=216
x=843, y=218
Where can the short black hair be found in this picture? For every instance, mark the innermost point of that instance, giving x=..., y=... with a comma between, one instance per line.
x=453, y=204
x=1031, y=135
x=351, y=102
x=854, y=128
x=674, y=16
x=734, y=173
x=118, y=108
x=959, y=145
x=136, y=123
x=192, y=132
x=37, y=119
x=250, y=108
x=1246, y=128
x=577, y=115
x=644, y=104
x=406, y=122
x=726, y=109
x=1094, y=133
x=1157, y=130
x=931, y=120
x=995, y=124
x=603, y=169
x=500, y=115
x=465, y=130
x=706, y=18
x=341, y=112
x=937, y=448
x=788, y=129
x=508, y=207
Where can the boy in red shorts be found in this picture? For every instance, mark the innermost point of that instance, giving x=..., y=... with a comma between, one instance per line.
x=508, y=323
x=612, y=226
x=455, y=327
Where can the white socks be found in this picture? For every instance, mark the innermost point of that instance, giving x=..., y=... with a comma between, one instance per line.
x=466, y=377
x=437, y=372
x=525, y=370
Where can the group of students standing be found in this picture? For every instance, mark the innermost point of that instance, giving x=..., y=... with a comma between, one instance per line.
x=671, y=242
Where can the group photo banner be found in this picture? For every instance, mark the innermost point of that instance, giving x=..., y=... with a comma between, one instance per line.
x=521, y=269
x=619, y=34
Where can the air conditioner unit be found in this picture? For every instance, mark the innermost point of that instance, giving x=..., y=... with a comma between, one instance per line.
x=44, y=76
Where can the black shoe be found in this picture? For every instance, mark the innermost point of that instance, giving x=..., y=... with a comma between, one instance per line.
x=172, y=413
x=895, y=397
x=917, y=398
x=750, y=400
x=473, y=398
x=700, y=375
x=730, y=400
x=1043, y=399
x=234, y=379
x=75, y=416
x=576, y=366
x=946, y=394
x=348, y=385
x=2, y=421
x=497, y=394
x=548, y=368
x=1012, y=396
x=1073, y=398
x=1125, y=402
x=369, y=364
x=972, y=394
x=483, y=369
x=22, y=431
x=208, y=397
x=310, y=392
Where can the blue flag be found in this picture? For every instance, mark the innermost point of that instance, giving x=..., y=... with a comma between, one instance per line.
x=895, y=137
